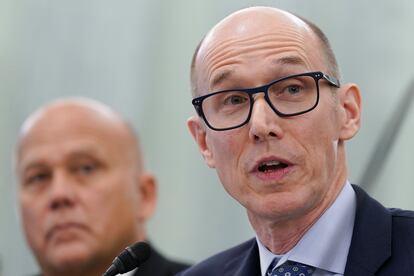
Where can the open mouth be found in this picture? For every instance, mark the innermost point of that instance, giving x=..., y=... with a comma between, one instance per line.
x=271, y=166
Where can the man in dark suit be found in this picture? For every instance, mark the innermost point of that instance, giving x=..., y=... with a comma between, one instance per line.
x=272, y=119
x=83, y=191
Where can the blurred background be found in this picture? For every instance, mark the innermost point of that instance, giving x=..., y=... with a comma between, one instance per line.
x=135, y=54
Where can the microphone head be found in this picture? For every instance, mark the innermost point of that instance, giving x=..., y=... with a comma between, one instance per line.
x=141, y=252
x=132, y=257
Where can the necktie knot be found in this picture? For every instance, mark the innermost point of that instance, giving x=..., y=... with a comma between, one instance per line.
x=289, y=268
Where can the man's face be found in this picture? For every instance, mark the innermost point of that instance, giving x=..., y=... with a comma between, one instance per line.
x=79, y=189
x=250, y=51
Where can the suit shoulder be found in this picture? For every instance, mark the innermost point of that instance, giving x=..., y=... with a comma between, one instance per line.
x=215, y=264
x=404, y=214
x=175, y=266
x=403, y=220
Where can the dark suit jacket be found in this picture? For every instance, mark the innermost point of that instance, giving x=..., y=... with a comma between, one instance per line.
x=158, y=265
x=382, y=244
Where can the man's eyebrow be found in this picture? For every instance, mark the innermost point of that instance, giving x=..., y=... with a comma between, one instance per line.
x=86, y=152
x=220, y=77
x=33, y=166
x=289, y=60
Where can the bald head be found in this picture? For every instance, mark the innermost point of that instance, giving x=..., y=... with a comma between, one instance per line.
x=89, y=115
x=242, y=26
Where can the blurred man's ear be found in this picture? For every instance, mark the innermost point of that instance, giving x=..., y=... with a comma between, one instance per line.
x=198, y=131
x=147, y=185
x=350, y=103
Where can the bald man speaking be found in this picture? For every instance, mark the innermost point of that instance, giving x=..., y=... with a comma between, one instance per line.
x=83, y=192
x=273, y=118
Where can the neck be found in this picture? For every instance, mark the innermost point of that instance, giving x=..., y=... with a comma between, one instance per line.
x=281, y=236
x=77, y=271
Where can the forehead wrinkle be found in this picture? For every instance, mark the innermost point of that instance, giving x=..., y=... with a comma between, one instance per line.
x=228, y=56
x=289, y=33
x=218, y=76
x=218, y=59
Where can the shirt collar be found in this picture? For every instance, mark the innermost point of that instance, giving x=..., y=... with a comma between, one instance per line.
x=266, y=257
x=326, y=244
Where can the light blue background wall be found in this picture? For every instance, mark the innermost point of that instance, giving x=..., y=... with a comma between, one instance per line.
x=135, y=56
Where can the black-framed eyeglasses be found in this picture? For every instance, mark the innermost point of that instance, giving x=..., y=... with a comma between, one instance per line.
x=288, y=96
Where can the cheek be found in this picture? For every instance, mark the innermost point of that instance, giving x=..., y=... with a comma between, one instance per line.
x=29, y=220
x=227, y=151
x=320, y=144
x=32, y=220
x=227, y=147
x=111, y=199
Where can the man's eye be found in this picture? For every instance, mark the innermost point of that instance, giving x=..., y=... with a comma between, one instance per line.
x=293, y=89
x=86, y=168
x=37, y=178
x=235, y=100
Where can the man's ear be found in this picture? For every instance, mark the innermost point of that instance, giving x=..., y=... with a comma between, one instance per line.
x=350, y=101
x=198, y=131
x=147, y=186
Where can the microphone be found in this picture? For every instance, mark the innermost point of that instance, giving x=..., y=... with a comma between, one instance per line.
x=132, y=257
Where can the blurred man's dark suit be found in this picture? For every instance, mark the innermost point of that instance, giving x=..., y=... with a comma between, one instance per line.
x=158, y=265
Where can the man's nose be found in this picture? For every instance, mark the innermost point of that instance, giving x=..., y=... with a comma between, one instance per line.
x=264, y=122
x=62, y=191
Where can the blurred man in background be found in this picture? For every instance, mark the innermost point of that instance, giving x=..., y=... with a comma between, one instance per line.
x=83, y=191
x=273, y=120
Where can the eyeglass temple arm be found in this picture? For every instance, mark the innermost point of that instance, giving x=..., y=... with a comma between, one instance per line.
x=332, y=80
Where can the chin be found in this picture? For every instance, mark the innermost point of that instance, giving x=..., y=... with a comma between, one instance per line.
x=277, y=206
x=71, y=255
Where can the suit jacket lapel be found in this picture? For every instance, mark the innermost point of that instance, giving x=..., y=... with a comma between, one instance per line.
x=246, y=264
x=371, y=238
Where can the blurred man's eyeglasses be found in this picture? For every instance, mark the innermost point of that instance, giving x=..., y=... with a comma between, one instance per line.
x=289, y=96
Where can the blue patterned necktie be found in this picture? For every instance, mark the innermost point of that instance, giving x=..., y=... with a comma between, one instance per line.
x=289, y=269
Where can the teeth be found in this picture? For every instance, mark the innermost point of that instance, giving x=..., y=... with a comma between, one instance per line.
x=271, y=163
